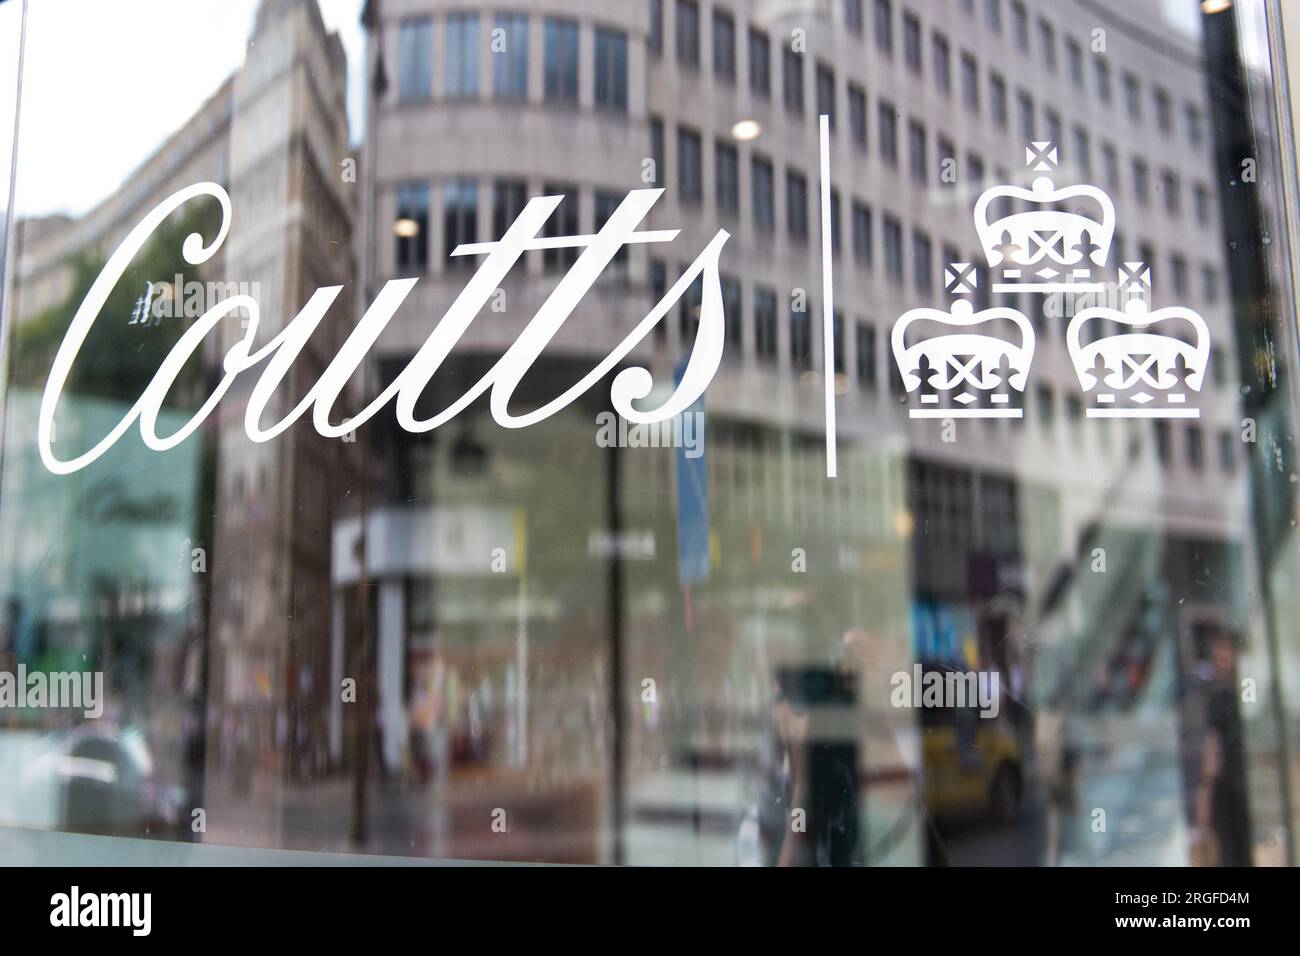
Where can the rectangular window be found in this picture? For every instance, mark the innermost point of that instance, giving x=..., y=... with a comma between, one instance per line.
x=912, y=42
x=1110, y=164
x=1082, y=151
x=835, y=222
x=1046, y=407
x=888, y=136
x=724, y=45
x=1228, y=450
x=460, y=219
x=861, y=227
x=688, y=33
x=865, y=340
x=560, y=60
x=1103, y=80
x=998, y=99
x=1169, y=186
x=858, y=116
x=657, y=150
x=792, y=79
x=510, y=66
x=611, y=69
x=1132, y=96
x=562, y=222
x=939, y=53
x=1210, y=289
x=837, y=340
x=1020, y=26
x=1164, y=442
x=412, y=228
x=993, y=14
x=1195, y=128
x=853, y=16
x=414, y=60
x=826, y=93
x=732, y=312
x=893, y=232
x=796, y=204
x=1053, y=123
x=1178, y=271
x=509, y=196
x=690, y=181
x=883, y=25
x=1164, y=110
x=800, y=339
x=656, y=39
x=1141, y=181
x=1047, y=40
x=727, y=175
x=1025, y=107
x=763, y=199
x=922, y=267
x=916, y=150
x=970, y=83
x=765, y=336
x=760, y=65
x=462, y=56
x=1074, y=61
x=1195, y=448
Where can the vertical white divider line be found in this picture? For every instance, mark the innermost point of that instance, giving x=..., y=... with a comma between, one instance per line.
x=828, y=301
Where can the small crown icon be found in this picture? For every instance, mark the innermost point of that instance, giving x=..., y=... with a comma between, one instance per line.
x=1045, y=249
x=972, y=367
x=1125, y=373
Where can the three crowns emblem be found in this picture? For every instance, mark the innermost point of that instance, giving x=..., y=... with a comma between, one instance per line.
x=981, y=361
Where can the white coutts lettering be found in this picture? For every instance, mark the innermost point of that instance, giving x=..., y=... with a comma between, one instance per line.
x=629, y=385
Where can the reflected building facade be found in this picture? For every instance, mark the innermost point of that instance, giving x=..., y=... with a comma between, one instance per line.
x=235, y=644
x=1060, y=550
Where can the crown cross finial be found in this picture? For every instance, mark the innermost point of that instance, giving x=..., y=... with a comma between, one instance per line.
x=1134, y=278
x=960, y=278
x=1041, y=157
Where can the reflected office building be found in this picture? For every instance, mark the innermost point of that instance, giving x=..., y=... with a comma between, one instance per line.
x=583, y=641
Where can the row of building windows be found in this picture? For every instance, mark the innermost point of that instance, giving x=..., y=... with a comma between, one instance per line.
x=763, y=178
x=460, y=219
x=687, y=23
x=507, y=40
x=460, y=225
x=946, y=171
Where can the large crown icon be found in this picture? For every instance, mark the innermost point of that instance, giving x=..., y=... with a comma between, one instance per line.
x=1043, y=248
x=984, y=374
x=1138, y=373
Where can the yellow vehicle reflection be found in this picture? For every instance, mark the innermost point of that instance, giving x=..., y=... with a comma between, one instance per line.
x=973, y=765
